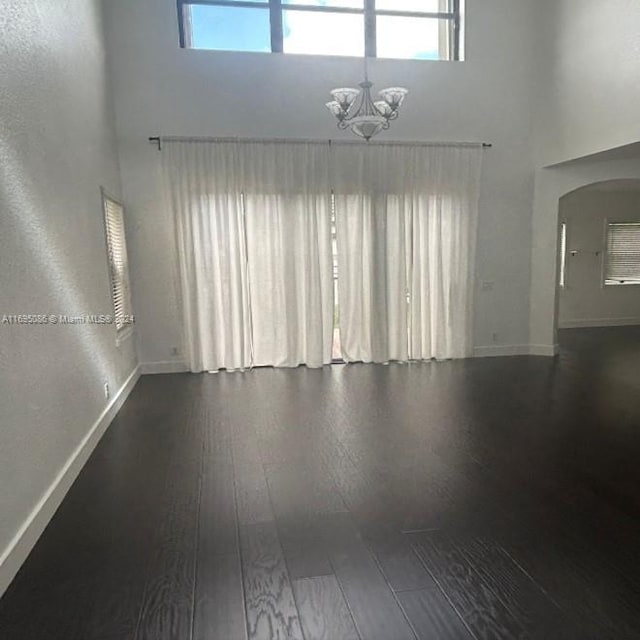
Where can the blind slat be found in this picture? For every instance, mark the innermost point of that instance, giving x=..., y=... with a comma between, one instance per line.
x=118, y=264
x=622, y=263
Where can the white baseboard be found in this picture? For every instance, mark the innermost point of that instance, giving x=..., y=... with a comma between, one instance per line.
x=599, y=322
x=23, y=542
x=502, y=350
x=169, y=366
x=497, y=350
x=544, y=349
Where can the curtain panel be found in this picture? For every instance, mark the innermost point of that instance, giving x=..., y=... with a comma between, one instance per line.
x=206, y=195
x=287, y=203
x=253, y=231
x=406, y=228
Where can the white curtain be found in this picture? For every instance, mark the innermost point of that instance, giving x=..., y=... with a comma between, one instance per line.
x=406, y=229
x=254, y=245
x=287, y=200
x=206, y=195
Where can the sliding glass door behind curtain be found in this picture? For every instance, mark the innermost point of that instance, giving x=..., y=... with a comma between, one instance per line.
x=264, y=229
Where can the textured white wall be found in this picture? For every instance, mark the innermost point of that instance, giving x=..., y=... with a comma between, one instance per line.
x=589, y=94
x=161, y=89
x=584, y=301
x=57, y=147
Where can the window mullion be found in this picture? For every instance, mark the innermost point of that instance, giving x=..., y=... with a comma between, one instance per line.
x=182, y=34
x=370, y=49
x=275, y=9
x=455, y=54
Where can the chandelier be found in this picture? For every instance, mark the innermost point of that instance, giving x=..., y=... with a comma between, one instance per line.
x=356, y=110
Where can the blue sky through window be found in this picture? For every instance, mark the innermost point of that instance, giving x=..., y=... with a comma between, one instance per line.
x=230, y=28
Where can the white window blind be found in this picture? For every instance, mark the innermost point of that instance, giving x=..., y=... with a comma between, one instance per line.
x=118, y=264
x=622, y=262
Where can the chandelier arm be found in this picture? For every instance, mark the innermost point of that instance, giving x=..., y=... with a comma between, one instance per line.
x=356, y=107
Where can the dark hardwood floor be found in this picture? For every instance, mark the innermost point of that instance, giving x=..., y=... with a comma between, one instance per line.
x=480, y=499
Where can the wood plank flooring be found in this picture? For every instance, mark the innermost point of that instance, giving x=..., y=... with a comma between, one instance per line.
x=469, y=500
x=323, y=609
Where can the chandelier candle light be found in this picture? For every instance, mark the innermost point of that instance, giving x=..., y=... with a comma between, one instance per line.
x=356, y=110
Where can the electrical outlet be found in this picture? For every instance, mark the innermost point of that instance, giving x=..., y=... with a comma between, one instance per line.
x=107, y=393
x=175, y=351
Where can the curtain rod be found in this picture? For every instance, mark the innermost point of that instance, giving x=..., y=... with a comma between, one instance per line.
x=158, y=141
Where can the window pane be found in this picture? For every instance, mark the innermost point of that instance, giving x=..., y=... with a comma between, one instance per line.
x=330, y=34
x=426, y=6
x=230, y=28
x=349, y=4
x=413, y=38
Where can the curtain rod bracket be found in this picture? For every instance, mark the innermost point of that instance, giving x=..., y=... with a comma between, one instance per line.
x=156, y=140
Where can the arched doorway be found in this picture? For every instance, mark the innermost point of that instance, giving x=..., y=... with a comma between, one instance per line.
x=551, y=185
x=598, y=273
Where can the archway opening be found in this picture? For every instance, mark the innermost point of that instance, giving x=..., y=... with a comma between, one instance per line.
x=598, y=268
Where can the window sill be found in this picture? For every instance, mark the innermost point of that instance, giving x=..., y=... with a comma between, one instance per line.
x=621, y=284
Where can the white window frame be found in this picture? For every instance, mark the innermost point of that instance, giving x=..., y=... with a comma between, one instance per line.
x=119, y=281
x=450, y=21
